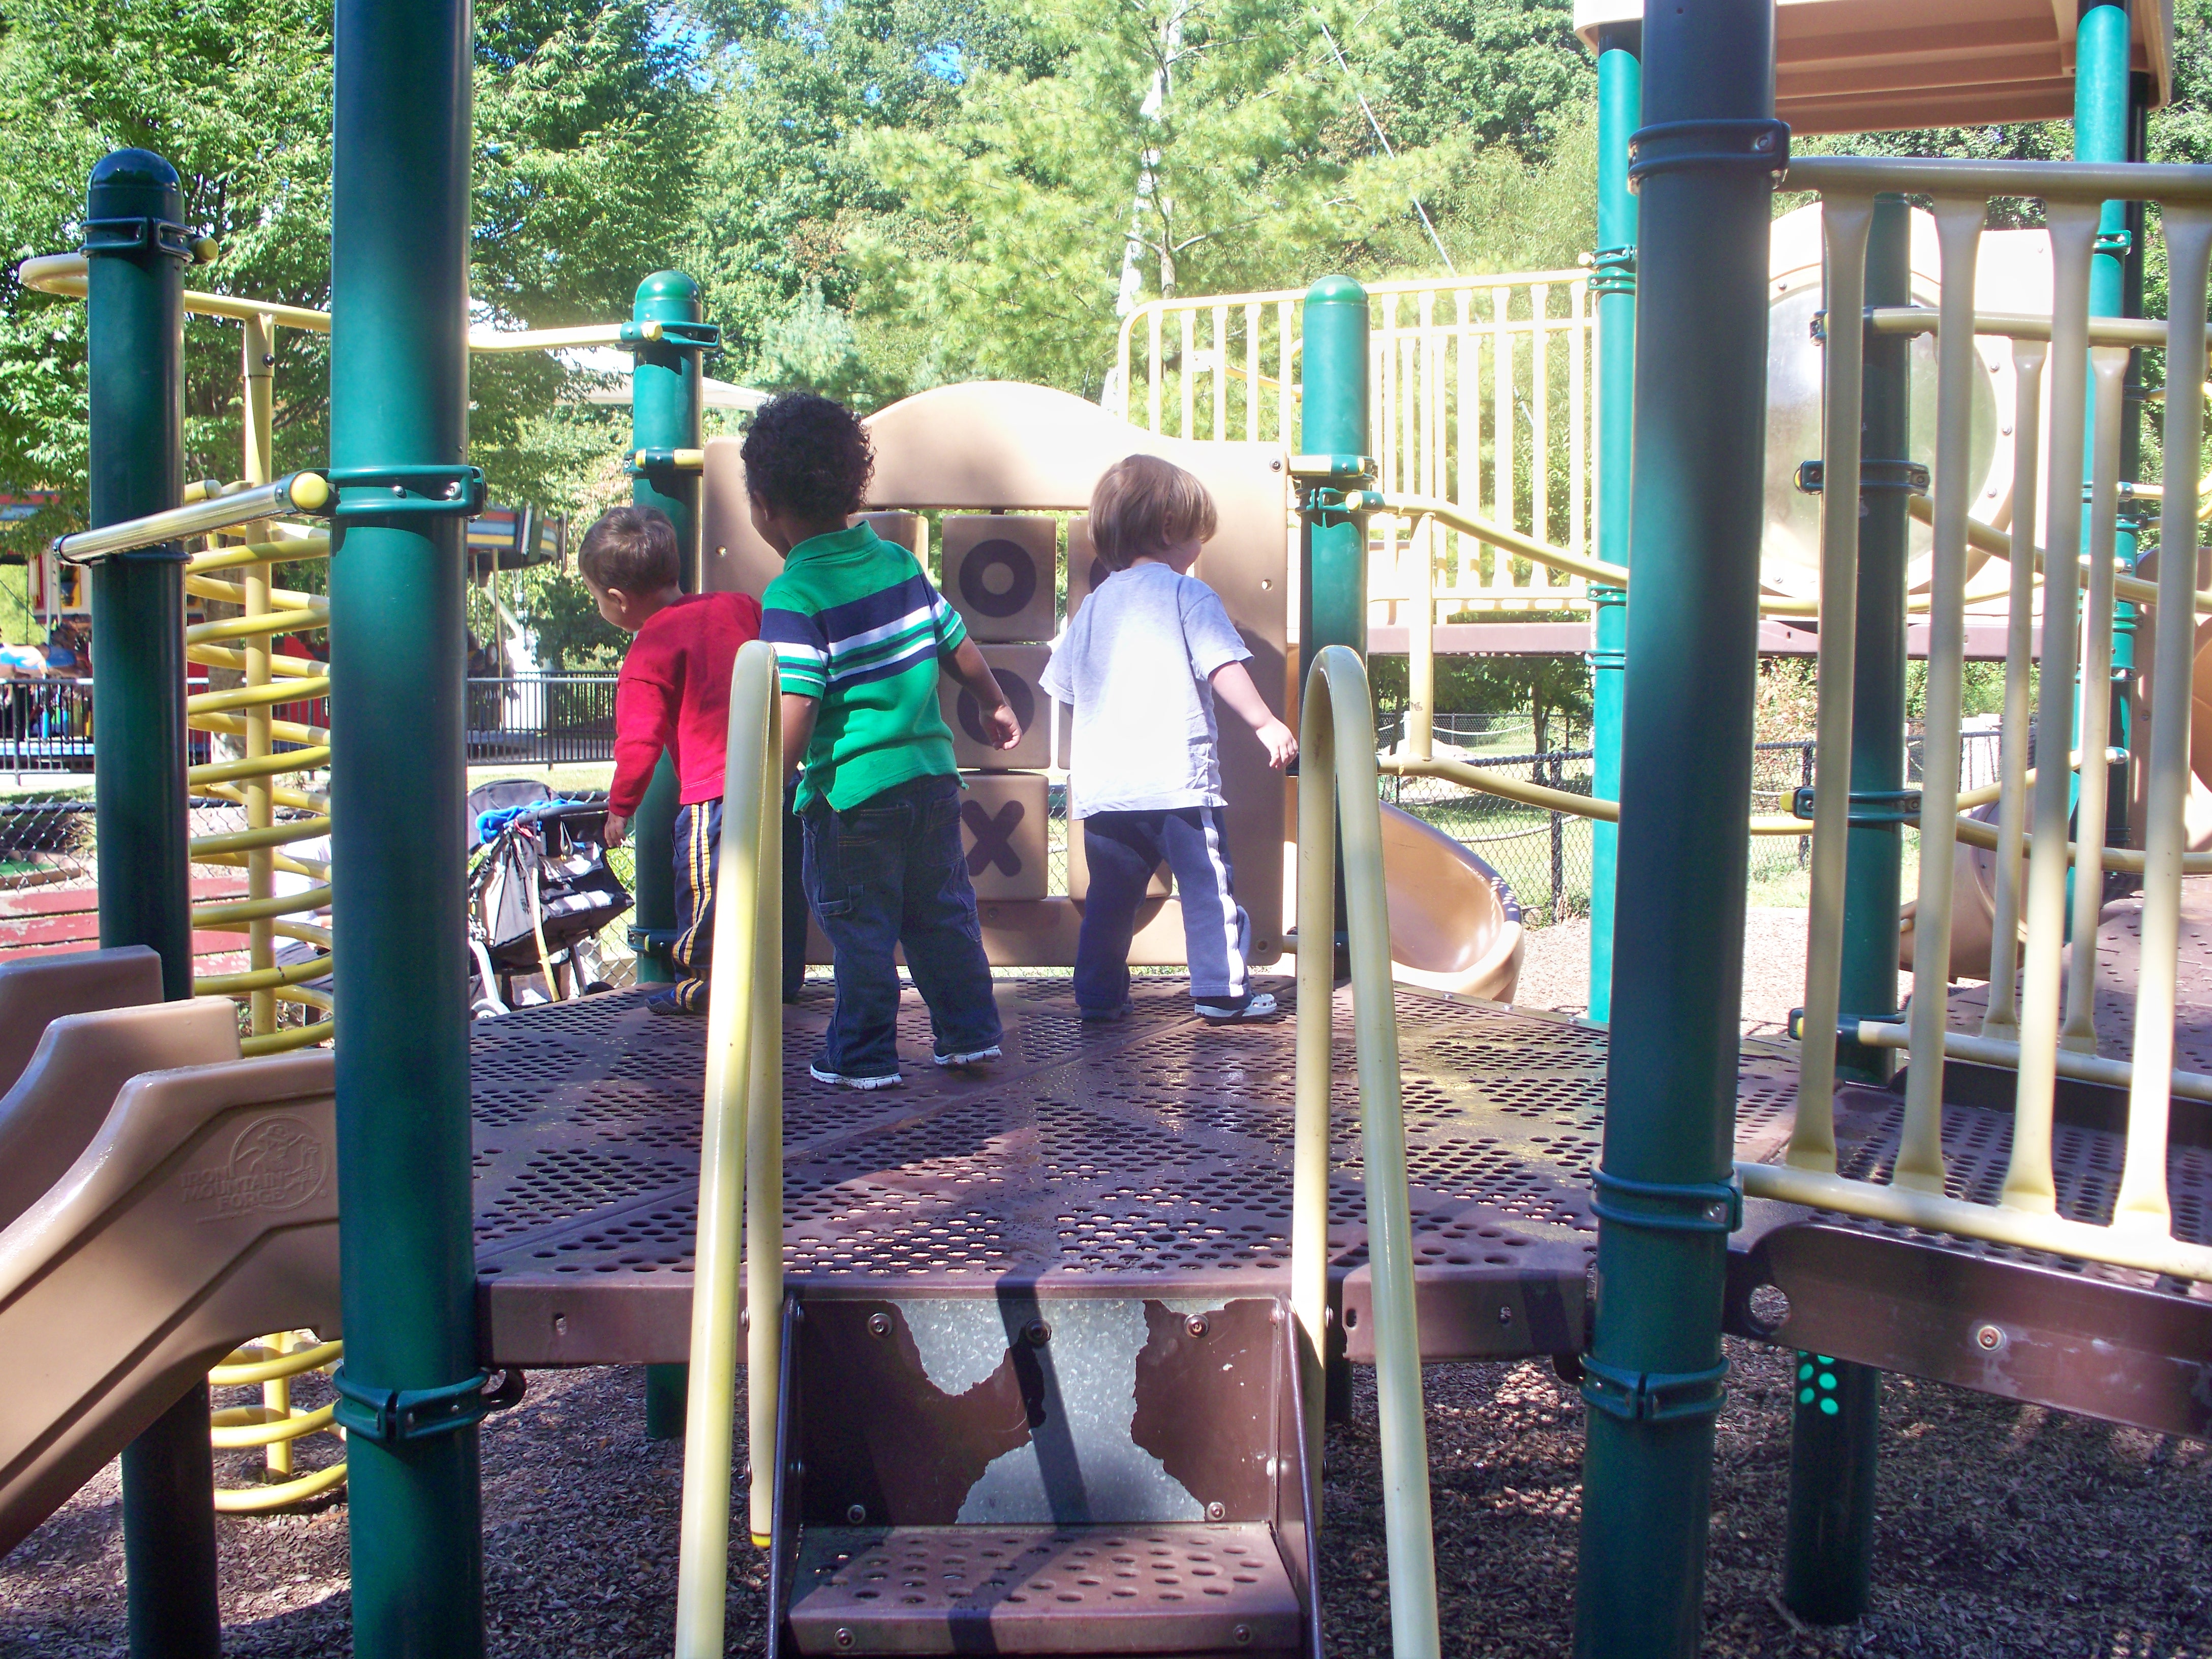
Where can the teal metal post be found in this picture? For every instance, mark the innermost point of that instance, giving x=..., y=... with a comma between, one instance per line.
x=1332, y=421
x=664, y=418
x=1612, y=280
x=1835, y=1421
x=410, y=1387
x=137, y=248
x=1705, y=164
x=2104, y=124
x=2121, y=818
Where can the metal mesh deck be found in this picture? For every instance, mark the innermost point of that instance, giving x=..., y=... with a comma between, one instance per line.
x=1155, y=1148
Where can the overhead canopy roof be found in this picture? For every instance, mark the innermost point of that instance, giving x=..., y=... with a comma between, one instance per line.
x=1878, y=65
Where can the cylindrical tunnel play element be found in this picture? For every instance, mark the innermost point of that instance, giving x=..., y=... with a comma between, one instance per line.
x=411, y=1388
x=1705, y=164
x=137, y=248
x=1619, y=106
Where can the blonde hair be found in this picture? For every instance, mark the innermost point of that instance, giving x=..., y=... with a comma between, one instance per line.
x=1145, y=504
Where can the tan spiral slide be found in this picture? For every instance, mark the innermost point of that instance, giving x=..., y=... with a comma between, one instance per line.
x=161, y=1201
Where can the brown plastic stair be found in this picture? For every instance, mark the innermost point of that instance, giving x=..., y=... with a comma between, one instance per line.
x=1042, y=1471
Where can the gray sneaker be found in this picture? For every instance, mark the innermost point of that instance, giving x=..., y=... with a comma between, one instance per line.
x=890, y=1080
x=971, y=1057
x=1260, y=1005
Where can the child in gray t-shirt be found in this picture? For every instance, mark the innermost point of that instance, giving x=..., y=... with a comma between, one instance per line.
x=1141, y=664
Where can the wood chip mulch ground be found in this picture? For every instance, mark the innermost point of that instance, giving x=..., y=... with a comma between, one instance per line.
x=2004, y=1529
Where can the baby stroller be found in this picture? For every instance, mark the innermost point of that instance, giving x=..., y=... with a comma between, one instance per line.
x=539, y=894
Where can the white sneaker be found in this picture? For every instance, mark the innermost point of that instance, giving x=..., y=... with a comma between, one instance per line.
x=973, y=1057
x=1260, y=1005
x=890, y=1080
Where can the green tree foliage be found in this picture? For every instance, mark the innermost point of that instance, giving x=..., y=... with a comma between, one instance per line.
x=589, y=116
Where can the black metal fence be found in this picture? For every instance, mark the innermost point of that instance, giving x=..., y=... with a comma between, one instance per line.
x=46, y=725
x=542, y=719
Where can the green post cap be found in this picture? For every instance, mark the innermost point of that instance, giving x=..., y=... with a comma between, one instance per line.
x=131, y=183
x=666, y=296
x=1336, y=290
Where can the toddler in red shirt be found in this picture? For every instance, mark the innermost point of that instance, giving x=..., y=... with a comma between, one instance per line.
x=673, y=694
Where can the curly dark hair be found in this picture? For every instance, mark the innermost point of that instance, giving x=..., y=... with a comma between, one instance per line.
x=808, y=454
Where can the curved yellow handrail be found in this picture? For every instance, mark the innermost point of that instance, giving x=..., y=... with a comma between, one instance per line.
x=274, y=1423
x=1336, y=786
x=740, y=1165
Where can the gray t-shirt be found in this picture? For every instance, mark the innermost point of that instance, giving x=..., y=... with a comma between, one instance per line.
x=1135, y=665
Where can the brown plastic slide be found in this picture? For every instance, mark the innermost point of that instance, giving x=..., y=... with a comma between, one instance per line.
x=1451, y=928
x=160, y=1201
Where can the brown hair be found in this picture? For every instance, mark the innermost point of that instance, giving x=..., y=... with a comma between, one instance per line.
x=632, y=548
x=1145, y=504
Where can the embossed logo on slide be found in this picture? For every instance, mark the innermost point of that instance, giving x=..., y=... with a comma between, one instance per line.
x=276, y=1164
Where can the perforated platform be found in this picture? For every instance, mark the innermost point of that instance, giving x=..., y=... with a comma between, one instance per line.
x=1159, y=1148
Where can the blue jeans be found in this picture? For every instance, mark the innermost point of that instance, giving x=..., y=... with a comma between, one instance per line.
x=890, y=871
x=1123, y=849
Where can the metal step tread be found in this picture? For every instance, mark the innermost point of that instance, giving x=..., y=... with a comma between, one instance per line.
x=1170, y=1589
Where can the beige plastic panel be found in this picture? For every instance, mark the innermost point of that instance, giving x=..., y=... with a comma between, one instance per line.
x=1086, y=569
x=1005, y=827
x=1002, y=574
x=82, y=1064
x=1018, y=668
x=204, y=1213
x=1029, y=449
x=35, y=990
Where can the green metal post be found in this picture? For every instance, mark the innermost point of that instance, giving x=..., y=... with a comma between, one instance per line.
x=1704, y=163
x=137, y=248
x=664, y=418
x=2103, y=123
x=1332, y=421
x=412, y=1388
x=1619, y=107
x=1835, y=1423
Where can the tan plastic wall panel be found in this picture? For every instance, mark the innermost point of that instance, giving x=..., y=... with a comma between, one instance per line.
x=1001, y=572
x=1029, y=449
x=204, y=1213
x=1086, y=569
x=1018, y=669
x=69, y=1088
x=37, y=990
x=1006, y=826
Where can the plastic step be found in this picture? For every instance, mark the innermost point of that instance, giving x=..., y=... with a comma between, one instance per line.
x=1175, y=1589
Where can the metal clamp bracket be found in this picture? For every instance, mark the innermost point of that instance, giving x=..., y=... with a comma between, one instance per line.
x=1335, y=469
x=693, y=336
x=1875, y=476
x=407, y=492
x=1653, y=1396
x=1743, y=146
x=1882, y=807
x=657, y=940
x=391, y=1416
x=140, y=234
x=1669, y=1206
x=2114, y=242
x=1612, y=270
x=643, y=462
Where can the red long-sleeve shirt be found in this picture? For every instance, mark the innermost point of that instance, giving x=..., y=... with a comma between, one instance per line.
x=674, y=694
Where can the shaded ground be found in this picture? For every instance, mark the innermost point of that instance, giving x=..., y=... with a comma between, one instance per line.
x=2005, y=1529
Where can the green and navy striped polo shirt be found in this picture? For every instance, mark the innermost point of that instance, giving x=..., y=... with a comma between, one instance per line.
x=856, y=623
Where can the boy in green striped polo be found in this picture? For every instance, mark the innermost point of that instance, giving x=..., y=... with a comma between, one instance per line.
x=860, y=635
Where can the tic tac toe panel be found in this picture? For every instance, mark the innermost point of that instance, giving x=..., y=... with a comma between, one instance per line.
x=1000, y=574
x=1018, y=668
x=907, y=530
x=1005, y=830
x=1086, y=569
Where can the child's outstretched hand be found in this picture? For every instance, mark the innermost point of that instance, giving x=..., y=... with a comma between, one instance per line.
x=1280, y=743
x=617, y=827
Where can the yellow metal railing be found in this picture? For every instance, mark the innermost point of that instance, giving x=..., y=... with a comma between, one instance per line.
x=1336, y=787
x=2046, y=1027
x=276, y=1423
x=740, y=1228
x=1481, y=394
